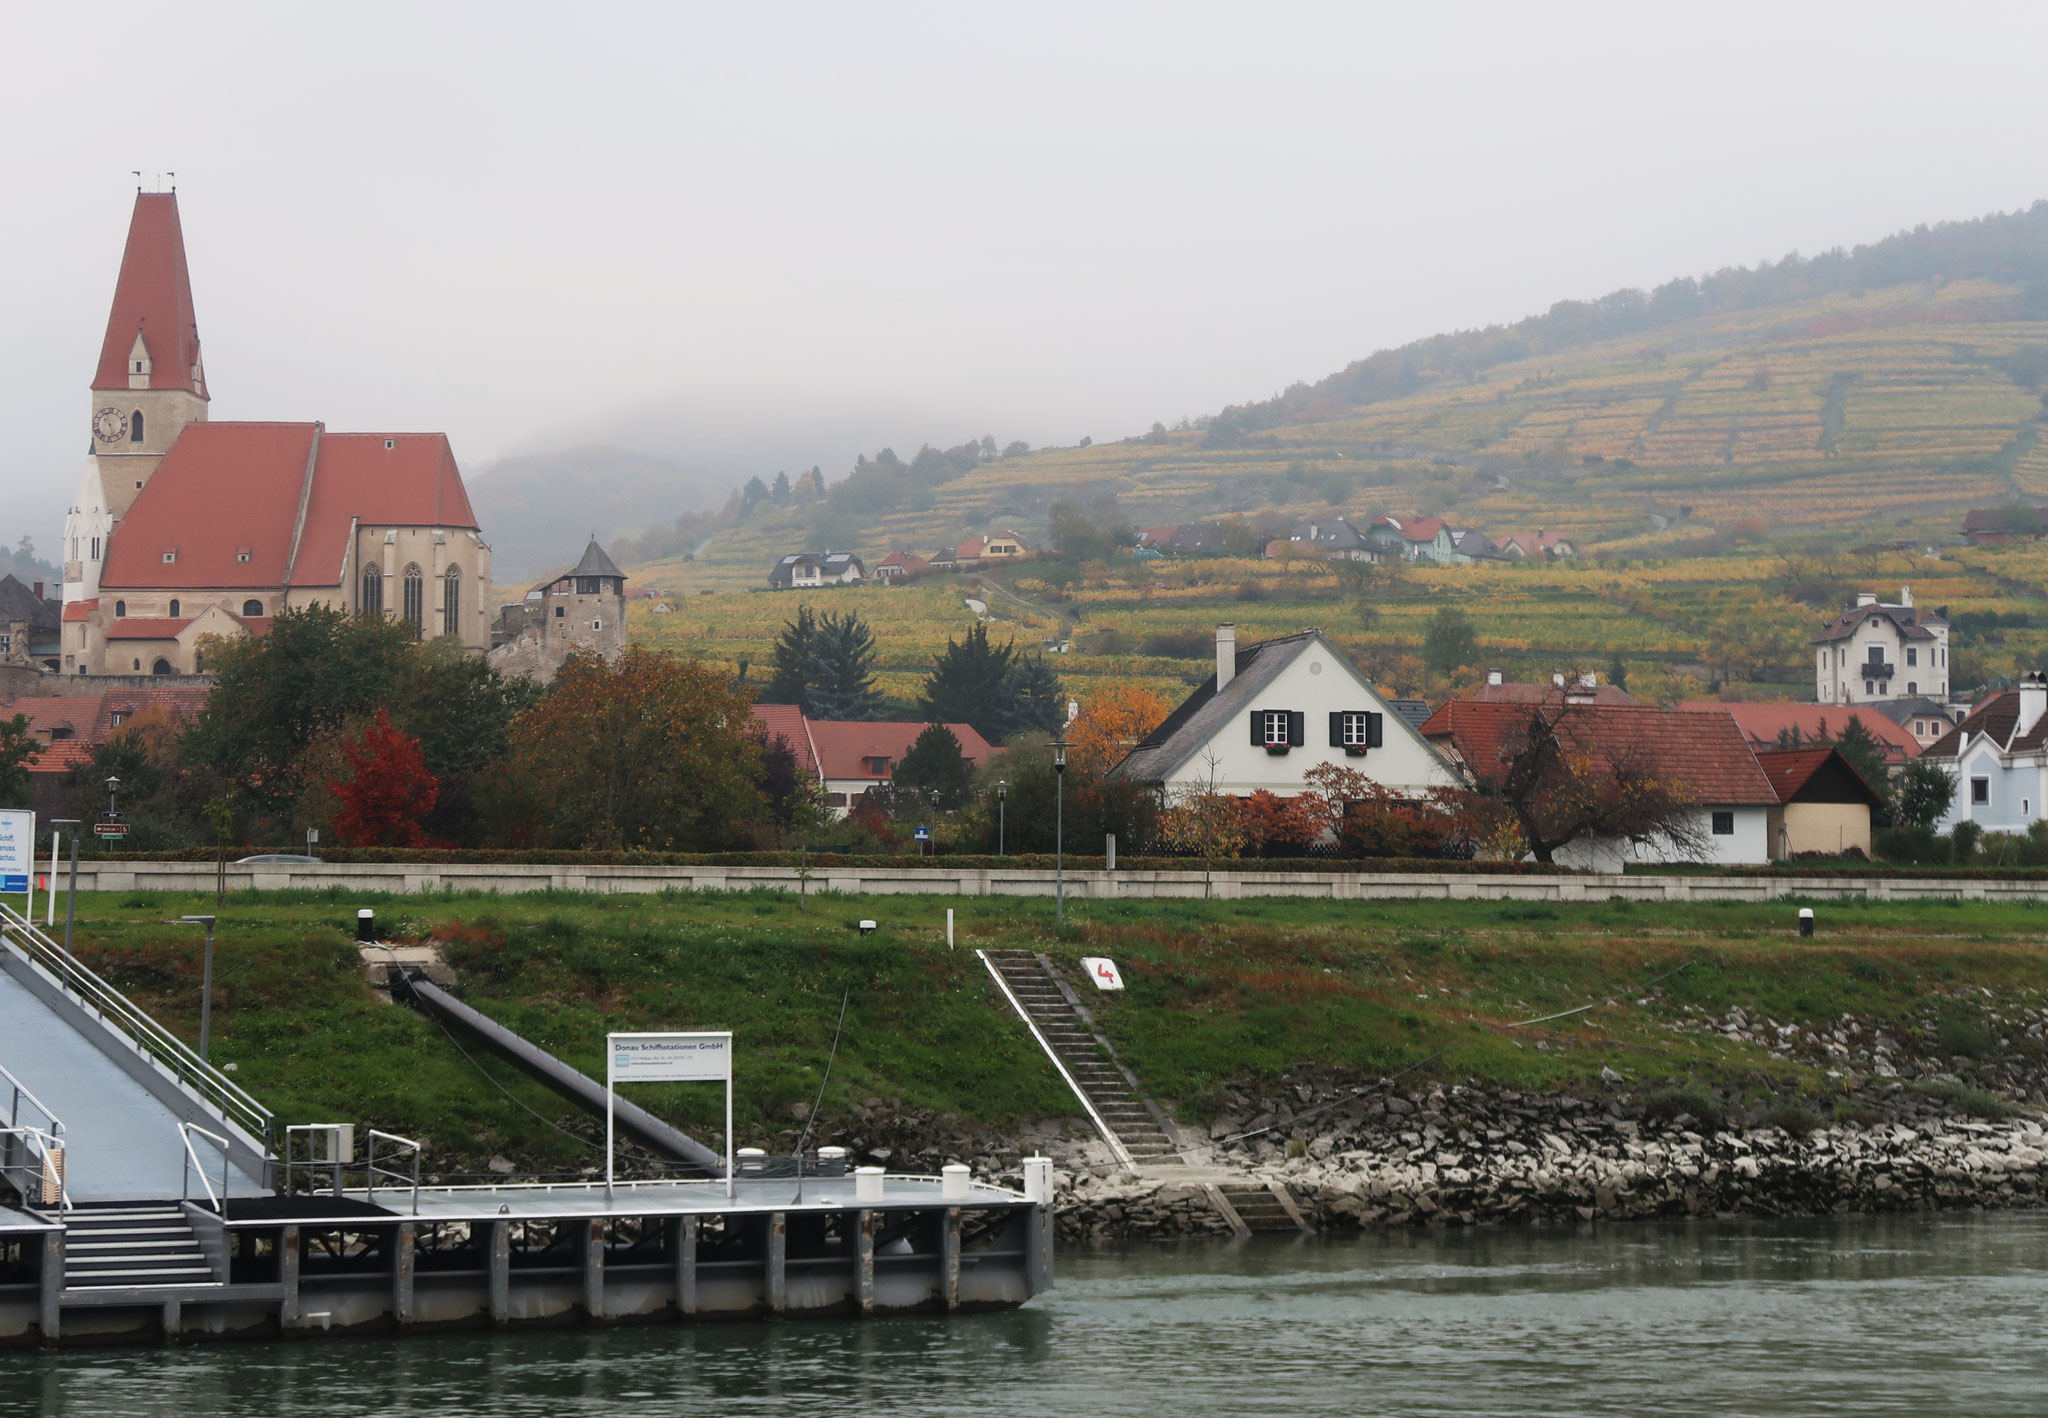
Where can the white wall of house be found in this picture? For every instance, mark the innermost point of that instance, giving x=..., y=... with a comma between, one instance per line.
x=1747, y=841
x=1318, y=682
x=1919, y=667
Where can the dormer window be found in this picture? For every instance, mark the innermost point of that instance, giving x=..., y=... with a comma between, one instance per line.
x=389, y=444
x=170, y=556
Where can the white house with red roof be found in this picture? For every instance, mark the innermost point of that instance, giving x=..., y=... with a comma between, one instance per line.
x=1878, y=650
x=849, y=756
x=185, y=528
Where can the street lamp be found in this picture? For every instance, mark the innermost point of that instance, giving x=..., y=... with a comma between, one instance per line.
x=70, y=897
x=1002, y=807
x=205, y=985
x=113, y=785
x=935, y=821
x=1059, y=828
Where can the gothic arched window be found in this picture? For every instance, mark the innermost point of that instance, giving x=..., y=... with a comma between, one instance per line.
x=451, y=602
x=120, y=609
x=174, y=605
x=135, y=427
x=415, y=599
x=373, y=593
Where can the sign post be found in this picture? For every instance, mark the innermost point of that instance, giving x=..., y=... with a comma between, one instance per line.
x=702, y=1057
x=18, y=857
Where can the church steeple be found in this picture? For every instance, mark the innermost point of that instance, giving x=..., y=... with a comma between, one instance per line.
x=152, y=339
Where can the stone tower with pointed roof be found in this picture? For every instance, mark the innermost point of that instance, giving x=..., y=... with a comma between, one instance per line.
x=185, y=528
x=581, y=610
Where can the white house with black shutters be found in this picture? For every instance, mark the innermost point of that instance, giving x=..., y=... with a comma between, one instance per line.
x=1273, y=711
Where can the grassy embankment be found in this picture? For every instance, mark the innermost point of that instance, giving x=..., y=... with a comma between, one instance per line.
x=1217, y=991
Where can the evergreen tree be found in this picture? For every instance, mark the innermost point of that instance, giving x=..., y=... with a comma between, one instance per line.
x=1032, y=698
x=935, y=764
x=781, y=490
x=968, y=685
x=1860, y=746
x=791, y=659
x=1617, y=673
x=752, y=495
x=839, y=682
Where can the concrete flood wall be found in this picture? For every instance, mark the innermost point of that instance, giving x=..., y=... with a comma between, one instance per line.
x=411, y=878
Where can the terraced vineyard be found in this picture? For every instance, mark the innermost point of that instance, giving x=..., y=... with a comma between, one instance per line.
x=1708, y=472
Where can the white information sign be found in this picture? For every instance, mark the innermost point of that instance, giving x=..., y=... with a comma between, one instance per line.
x=17, y=850
x=703, y=1056
x=1103, y=972
x=672, y=1058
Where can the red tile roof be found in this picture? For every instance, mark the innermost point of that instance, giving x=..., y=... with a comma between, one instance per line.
x=1706, y=752
x=76, y=712
x=81, y=610
x=58, y=757
x=1793, y=770
x=1762, y=723
x=229, y=489
x=153, y=296
x=148, y=627
x=90, y=717
x=844, y=745
x=786, y=721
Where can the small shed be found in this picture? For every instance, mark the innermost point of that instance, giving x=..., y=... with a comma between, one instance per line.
x=1824, y=804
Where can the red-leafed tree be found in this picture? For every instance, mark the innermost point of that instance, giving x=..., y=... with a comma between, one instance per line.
x=387, y=789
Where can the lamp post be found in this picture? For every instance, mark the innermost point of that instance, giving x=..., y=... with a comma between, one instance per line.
x=205, y=986
x=71, y=896
x=113, y=786
x=935, y=821
x=1002, y=806
x=1059, y=828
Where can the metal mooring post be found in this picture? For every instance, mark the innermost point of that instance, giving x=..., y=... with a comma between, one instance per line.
x=205, y=986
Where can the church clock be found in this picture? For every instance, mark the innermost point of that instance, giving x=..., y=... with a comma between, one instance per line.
x=110, y=425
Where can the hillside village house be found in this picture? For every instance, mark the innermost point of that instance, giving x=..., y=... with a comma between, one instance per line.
x=803, y=569
x=847, y=757
x=900, y=566
x=1876, y=650
x=1999, y=756
x=1274, y=710
x=1706, y=754
x=1332, y=537
x=998, y=547
x=1411, y=538
x=183, y=528
x=1527, y=546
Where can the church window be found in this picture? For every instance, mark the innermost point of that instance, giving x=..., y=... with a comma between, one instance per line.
x=373, y=593
x=120, y=608
x=161, y=667
x=415, y=599
x=451, y=602
x=174, y=605
x=135, y=427
x=138, y=664
x=252, y=608
x=95, y=548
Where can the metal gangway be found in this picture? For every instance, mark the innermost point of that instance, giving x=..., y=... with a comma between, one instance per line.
x=72, y=1045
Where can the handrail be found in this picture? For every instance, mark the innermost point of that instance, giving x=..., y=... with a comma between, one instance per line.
x=374, y=1171
x=20, y=1092
x=185, y=1131
x=155, y=1041
x=34, y=1183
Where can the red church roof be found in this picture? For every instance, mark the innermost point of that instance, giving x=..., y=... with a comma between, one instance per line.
x=153, y=297
x=227, y=491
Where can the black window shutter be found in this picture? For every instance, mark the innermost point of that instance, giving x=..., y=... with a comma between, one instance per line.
x=1258, y=728
x=1375, y=730
x=1336, y=729
x=1297, y=728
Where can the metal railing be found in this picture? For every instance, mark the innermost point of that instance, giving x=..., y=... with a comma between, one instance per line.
x=154, y=1041
x=403, y=1179
x=329, y=1148
x=19, y=1094
x=192, y=1164
x=32, y=1161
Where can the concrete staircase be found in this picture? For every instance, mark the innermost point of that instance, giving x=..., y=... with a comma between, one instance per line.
x=1263, y=1206
x=1055, y=1016
x=132, y=1247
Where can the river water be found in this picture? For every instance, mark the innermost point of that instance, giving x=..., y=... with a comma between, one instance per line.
x=1900, y=1315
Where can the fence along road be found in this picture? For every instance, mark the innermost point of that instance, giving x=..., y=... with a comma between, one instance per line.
x=399, y=878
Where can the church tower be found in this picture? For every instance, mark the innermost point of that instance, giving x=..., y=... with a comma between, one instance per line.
x=148, y=386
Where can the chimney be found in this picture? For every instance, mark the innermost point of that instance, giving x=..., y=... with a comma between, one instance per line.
x=1557, y=681
x=2033, y=701
x=1589, y=680
x=1865, y=598
x=1906, y=597
x=1226, y=655
x=1493, y=677
x=39, y=590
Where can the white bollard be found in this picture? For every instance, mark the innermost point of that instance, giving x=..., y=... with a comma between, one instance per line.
x=867, y=1183
x=953, y=1182
x=750, y=1161
x=832, y=1161
x=1038, y=1180
x=949, y=928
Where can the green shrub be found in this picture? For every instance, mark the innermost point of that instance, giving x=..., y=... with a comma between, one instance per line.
x=1974, y=1101
x=1915, y=846
x=1965, y=1036
x=1673, y=1104
x=1792, y=1119
x=1857, y=1114
x=1963, y=839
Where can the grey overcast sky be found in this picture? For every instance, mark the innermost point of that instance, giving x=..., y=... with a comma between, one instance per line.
x=672, y=224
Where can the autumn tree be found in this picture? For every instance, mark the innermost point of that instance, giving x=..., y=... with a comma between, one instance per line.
x=1568, y=774
x=648, y=751
x=1450, y=641
x=387, y=790
x=1114, y=721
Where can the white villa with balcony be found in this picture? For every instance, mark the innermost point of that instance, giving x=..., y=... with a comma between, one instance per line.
x=1876, y=650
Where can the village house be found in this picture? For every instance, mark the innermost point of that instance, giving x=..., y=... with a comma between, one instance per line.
x=1824, y=804
x=900, y=566
x=1990, y=526
x=846, y=757
x=1530, y=546
x=1703, y=755
x=803, y=570
x=1772, y=726
x=1274, y=710
x=998, y=547
x=1583, y=688
x=1332, y=537
x=31, y=626
x=71, y=727
x=1411, y=538
x=1876, y=650
x=1999, y=757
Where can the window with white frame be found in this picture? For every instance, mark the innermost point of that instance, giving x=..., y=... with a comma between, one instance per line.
x=1355, y=728
x=1980, y=792
x=1273, y=730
